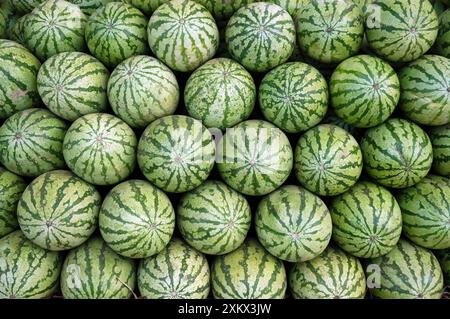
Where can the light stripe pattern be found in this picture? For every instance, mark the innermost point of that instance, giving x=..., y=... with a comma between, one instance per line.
x=146, y=6
x=89, y=6
x=291, y=6
x=440, y=139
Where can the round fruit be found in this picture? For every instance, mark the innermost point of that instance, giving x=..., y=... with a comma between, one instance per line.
x=25, y=6
x=223, y=10
x=3, y=24
x=89, y=6
x=291, y=6
x=16, y=32
x=444, y=260
x=443, y=39
x=146, y=6
x=440, y=139
x=334, y=120
x=438, y=6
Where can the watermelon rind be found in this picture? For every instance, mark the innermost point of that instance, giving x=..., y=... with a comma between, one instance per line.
x=442, y=45
x=146, y=6
x=89, y=6
x=223, y=10
x=25, y=6
x=444, y=260
x=440, y=139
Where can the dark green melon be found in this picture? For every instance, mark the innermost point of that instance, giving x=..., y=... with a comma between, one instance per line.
x=25, y=6
x=222, y=10
x=291, y=6
x=439, y=6
x=443, y=40
x=444, y=260
x=146, y=6
x=89, y=6
x=440, y=139
x=335, y=120
x=3, y=24
x=16, y=31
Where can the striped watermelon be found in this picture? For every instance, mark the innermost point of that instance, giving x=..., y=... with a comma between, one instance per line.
x=100, y=148
x=408, y=272
x=397, y=153
x=249, y=272
x=220, y=93
x=334, y=120
x=95, y=271
x=31, y=142
x=332, y=275
x=291, y=6
x=222, y=10
x=440, y=139
x=89, y=6
x=137, y=219
x=293, y=224
x=443, y=40
x=18, y=72
x=403, y=30
x=294, y=96
x=58, y=211
x=25, y=6
x=260, y=36
x=11, y=188
x=146, y=6
x=425, y=97
x=16, y=32
x=177, y=272
x=115, y=32
x=328, y=160
x=72, y=84
x=364, y=91
x=254, y=157
x=176, y=153
x=438, y=6
x=142, y=89
x=213, y=218
x=444, y=260
x=3, y=24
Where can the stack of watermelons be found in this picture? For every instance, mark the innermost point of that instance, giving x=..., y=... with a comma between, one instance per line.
x=226, y=149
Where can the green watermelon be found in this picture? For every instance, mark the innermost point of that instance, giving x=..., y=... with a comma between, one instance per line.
x=443, y=40
x=17, y=30
x=95, y=271
x=254, y=157
x=115, y=32
x=177, y=272
x=294, y=96
x=142, y=89
x=220, y=93
x=72, y=84
x=397, y=153
x=25, y=6
x=408, y=272
x=89, y=6
x=146, y=6
x=444, y=260
x=31, y=142
x=293, y=224
x=18, y=72
x=440, y=139
x=291, y=6
x=402, y=30
x=28, y=271
x=260, y=36
x=332, y=275
x=249, y=272
x=328, y=160
x=425, y=97
x=334, y=120
x=137, y=219
x=438, y=6
x=11, y=188
x=213, y=218
x=222, y=10
x=364, y=91
x=100, y=148
x=3, y=24
x=176, y=153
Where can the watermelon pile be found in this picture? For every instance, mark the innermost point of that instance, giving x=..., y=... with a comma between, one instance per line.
x=227, y=149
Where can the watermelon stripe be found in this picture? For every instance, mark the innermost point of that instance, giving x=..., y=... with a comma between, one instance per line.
x=223, y=10
x=440, y=137
x=443, y=40
x=146, y=6
x=89, y=6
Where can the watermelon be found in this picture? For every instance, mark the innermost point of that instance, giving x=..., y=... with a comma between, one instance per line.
x=438, y=6
x=176, y=153
x=291, y=6
x=213, y=218
x=403, y=30
x=364, y=91
x=95, y=271
x=444, y=260
x=16, y=32
x=72, y=84
x=220, y=93
x=328, y=160
x=89, y=6
x=330, y=31
x=18, y=72
x=334, y=120
x=31, y=142
x=142, y=89
x=137, y=219
x=397, y=153
x=408, y=272
x=146, y=6
x=334, y=274
x=425, y=97
x=115, y=32
x=25, y=6
x=293, y=224
x=443, y=40
x=222, y=10
x=260, y=36
x=440, y=139
x=177, y=272
x=3, y=24
x=254, y=157
x=294, y=96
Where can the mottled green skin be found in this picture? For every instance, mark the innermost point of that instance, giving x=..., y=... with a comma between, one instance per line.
x=11, y=188
x=176, y=153
x=249, y=272
x=213, y=218
x=17, y=33
x=116, y=32
x=222, y=10
x=100, y=148
x=408, y=272
x=334, y=274
x=364, y=91
x=294, y=97
x=254, y=157
x=183, y=34
x=3, y=24
x=293, y=224
x=142, y=89
x=177, y=272
x=25, y=6
x=425, y=97
x=95, y=271
x=335, y=120
x=442, y=45
x=328, y=160
x=404, y=30
x=146, y=6
x=397, y=153
x=31, y=142
x=220, y=93
x=18, y=72
x=73, y=84
x=439, y=6
x=440, y=139
x=444, y=260
x=137, y=219
x=89, y=6
x=260, y=36
x=291, y=6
